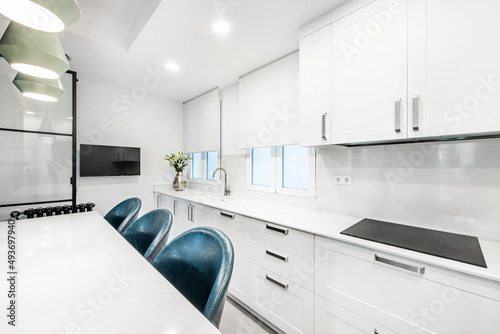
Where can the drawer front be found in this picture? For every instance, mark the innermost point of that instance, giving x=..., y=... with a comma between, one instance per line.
x=290, y=266
x=331, y=318
x=407, y=295
x=288, y=239
x=285, y=304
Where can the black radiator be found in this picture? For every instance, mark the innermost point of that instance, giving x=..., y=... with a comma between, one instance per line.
x=49, y=211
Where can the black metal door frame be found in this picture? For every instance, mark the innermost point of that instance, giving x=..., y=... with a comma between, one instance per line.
x=73, y=179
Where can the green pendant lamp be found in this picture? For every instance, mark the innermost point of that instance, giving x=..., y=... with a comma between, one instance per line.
x=36, y=53
x=39, y=89
x=43, y=15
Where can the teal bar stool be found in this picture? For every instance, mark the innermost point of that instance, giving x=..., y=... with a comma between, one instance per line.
x=199, y=263
x=147, y=233
x=124, y=214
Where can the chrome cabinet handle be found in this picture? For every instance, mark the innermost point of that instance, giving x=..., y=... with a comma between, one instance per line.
x=158, y=201
x=323, y=126
x=397, y=108
x=280, y=257
x=227, y=215
x=192, y=213
x=418, y=270
x=189, y=212
x=281, y=285
x=276, y=229
x=416, y=112
x=175, y=207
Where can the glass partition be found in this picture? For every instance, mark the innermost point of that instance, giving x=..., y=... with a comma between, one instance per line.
x=37, y=146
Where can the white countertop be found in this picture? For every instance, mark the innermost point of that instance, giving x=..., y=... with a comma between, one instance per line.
x=330, y=225
x=76, y=274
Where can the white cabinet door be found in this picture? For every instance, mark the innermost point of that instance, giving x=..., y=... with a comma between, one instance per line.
x=315, y=87
x=285, y=304
x=203, y=215
x=391, y=293
x=454, y=67
x=183, y=220
x=237, y=228
x=369, y=73
x=331, y=318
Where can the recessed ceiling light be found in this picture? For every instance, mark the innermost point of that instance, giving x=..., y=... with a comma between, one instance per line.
x=30, y=112
x=172, y=67
x=221, y=27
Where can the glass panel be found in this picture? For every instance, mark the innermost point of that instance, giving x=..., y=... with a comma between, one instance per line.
x=34, y=167
x=20, y=112
x=261, y=166
x=212, y=164
x=295, y=167
x=196, y=166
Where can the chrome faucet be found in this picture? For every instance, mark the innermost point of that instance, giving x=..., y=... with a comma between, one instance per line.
x=226, y=189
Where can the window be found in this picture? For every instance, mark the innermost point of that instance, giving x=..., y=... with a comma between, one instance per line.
x=202, y=166
x=261, y=162
x=212, y=164
x=196, y=166
x=289, y=170
x=295, y=167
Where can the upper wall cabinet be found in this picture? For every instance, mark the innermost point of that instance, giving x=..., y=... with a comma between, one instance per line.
x=403, y=69
x=201, y=123
x=454, y=68
x=269, y=104
x=369, y=73
x=315, y=87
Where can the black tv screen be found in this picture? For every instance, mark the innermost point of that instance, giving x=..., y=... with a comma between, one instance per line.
x=98, y=160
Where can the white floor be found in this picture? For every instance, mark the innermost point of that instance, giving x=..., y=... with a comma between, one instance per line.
x=236, y=320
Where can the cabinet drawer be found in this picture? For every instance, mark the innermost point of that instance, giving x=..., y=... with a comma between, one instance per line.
x=285, y=238
x=438, y=300
x=331, y=318
x=290, y=266
x=285, y=304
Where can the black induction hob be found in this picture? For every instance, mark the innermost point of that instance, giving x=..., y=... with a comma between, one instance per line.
x=457, y=247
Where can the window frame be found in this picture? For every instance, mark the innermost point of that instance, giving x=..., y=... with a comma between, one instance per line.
x=276, y=166
x=203, y=173
x=250, y=185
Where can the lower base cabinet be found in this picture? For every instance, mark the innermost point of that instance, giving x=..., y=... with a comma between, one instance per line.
x=237, y=228
x=285, y=304
x=331, y=318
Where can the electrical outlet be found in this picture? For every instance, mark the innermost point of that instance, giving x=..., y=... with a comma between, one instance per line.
x=342, y=180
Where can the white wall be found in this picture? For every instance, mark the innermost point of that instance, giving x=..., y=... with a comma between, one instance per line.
x=107, y=117
x=453, y=186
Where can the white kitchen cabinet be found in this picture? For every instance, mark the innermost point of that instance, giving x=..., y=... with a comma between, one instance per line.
x=331, y=318
x=417, y=299
x=369, y=73
x=237, y=228
x=282, y=278
x=182, y=222
x=453, y=67
x=315, y=87
x=203, y=215
x=401, y=70
x=284, y=303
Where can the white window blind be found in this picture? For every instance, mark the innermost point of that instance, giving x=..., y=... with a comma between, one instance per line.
x=201, y=123
x=269, y=104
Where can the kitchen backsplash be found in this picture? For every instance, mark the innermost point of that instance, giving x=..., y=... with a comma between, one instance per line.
x=452, y=186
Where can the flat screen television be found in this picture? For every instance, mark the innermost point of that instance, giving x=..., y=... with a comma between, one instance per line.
x=99, y=160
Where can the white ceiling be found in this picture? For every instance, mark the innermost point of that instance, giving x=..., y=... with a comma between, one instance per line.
x=117, y=42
